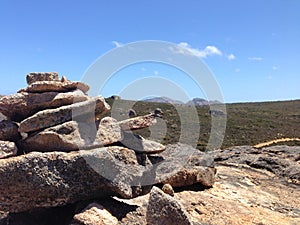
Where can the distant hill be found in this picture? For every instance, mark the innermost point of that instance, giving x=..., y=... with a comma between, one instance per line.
x=194, y=101
x=202, y=102
x=198, y=102
x=247, y=123
x=163, y=100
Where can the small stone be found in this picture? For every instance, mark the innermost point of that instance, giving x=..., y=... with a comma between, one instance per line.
x=166, y=210
x=158, y=112
x=7, y=149
x=41, y=76
x=94, y=214
x=64, y=79
x=168, y=189
x=137, y=122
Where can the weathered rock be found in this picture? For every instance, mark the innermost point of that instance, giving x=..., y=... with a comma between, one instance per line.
x=58, y=178
x=57, y=86
x=137, y=122
x=7, y=149
x=281, y=160
x=68, y=136
x=108, y=132
x=74, y=135
x=9, y=131
x=168, y=189
x=51, y=117
x=164, y=209
x=94, y=214
x=21, y=105
x=181, y=165
x=41, y=76
x=244, y=195
x=141, y=145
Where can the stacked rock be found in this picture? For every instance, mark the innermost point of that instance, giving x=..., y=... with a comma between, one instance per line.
x=52, y=119
x=53, y=114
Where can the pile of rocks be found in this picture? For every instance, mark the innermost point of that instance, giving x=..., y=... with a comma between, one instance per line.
x=58, y=115
x=57, y=149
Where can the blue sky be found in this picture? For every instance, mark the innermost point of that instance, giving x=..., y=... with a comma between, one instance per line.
x=251, y=47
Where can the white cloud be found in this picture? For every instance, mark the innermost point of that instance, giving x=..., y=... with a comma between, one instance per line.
x=255, y=58
x=231, y=57
x=186, y=49
x=143, y=69
x=274, y=67
x=237, y=70
x=156, y=72
x=117, y=44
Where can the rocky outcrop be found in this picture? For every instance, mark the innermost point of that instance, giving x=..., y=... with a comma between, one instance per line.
x=241, y=193
x=163, y=209
x=280, y=160
x=53, y=179
x=68, y=154
x=7, y=149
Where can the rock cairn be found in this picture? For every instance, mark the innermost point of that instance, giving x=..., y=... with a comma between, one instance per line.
x=57, y=115
x=57, y=148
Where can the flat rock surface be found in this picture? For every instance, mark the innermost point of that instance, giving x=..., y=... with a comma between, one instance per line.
x=240, y=195
x=282, y=160
x=244, y=195
x=57, y=86
x=51, y=117
x=19, y=106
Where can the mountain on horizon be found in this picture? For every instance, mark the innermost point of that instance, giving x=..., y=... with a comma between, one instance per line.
x=194, y=101
x=163, y=100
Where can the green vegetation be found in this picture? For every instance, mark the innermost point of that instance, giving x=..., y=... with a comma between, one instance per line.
x=247, y=123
